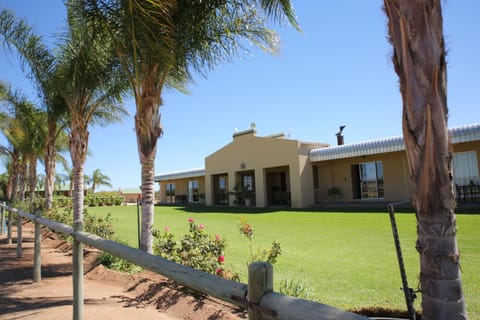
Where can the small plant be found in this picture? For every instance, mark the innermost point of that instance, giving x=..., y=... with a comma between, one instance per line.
x=269, y=255
x=196, y=249
x=334, y=193
x=116, y=263
x=296, y=288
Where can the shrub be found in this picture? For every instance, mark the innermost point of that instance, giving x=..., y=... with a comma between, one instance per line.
x=102, y=227
x=116, y=263
x=196, y=249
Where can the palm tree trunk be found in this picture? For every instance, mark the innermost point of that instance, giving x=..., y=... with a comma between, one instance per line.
x=50, y=163
x=416, y=33
x=78, y=152
x=32, y=177
x=148, y=129
x=22, y=179
x=148, y=193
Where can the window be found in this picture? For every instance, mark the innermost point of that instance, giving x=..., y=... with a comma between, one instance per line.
x=247, y=182
x=465, y=168
x=170, y=192
x=220, y=184
x=367, y=179
x=316, y=182
x=193, y=194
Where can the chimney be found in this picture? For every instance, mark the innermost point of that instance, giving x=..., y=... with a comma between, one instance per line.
x=340, y=136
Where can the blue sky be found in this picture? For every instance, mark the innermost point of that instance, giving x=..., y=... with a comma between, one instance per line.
x=337, y=71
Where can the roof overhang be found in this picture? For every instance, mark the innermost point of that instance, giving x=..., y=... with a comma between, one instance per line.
x=192, y=173
x=457, y=135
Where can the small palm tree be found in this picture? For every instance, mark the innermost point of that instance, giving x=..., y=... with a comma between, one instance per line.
x=100, y=179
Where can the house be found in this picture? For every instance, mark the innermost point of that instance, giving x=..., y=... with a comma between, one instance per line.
x=277, y=171
x=130, y=194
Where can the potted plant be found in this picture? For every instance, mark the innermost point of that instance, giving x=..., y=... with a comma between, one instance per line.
x=242, y=192
x=334, y=193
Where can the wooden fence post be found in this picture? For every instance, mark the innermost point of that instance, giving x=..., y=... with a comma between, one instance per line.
x=77, y=273
x=19, y=236
x=260, y=281
x=9, y=229
x=2, y=219
x=37, y=253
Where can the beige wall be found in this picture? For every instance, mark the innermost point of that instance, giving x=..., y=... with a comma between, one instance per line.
x=397, y=184
x=181, y=187
x=247, y=152
x=338, y=173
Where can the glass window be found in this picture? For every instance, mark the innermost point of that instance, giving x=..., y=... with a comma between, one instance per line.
x=247, y=182
x=465, y=168
x=220, y=184
x=369, y=178
x=193, y=192
x=170, y=192
x=316, y=182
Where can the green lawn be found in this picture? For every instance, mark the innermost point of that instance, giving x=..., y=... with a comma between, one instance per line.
x=348, y=259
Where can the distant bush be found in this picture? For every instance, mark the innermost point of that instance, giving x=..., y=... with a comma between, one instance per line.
x=104, y=199
x=102, y=227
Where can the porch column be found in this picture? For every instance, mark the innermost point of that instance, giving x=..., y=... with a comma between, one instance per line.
x=260, y=188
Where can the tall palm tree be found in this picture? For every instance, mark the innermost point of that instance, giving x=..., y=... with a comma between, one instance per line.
x=99, y=179
x=39, y=64
x=162, y=43
x=416, y=34
x=91, y=86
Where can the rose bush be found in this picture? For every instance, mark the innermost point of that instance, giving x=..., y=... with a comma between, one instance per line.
x=196, y=249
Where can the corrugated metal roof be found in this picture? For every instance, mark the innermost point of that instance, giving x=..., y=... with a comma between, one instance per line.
x=458, y=134
x=180, y=175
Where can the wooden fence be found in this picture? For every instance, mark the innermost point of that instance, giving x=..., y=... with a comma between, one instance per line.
x=257, y=296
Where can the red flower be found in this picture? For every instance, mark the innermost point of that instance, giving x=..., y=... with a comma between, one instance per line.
x=201, y=226
x=190, y=220
x=221, y=259
x=217, y=237
x=167, y=229
x=219, y=271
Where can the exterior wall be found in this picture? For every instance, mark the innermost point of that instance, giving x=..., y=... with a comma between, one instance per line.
x=397, y=185
x=468, y=146
x=181, y=188
x=248, y=152
x=338, y=173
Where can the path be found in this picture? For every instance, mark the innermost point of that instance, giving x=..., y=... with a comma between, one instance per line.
x=108, y=294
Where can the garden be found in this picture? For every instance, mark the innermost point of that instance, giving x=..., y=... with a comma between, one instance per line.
x=347, y=260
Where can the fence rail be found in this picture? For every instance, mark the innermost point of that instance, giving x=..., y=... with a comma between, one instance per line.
x=257, y=296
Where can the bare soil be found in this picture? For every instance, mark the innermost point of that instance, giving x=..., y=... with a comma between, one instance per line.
x=108, y=294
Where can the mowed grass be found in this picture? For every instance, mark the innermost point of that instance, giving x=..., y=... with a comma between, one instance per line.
x=347, y=259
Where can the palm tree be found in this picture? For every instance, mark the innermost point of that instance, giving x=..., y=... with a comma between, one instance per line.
x=91, y=86
x=161, y=43
x=22, y=125
x=60, y=181
x=39, y=64
x=100, y=179
x=416, y=34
